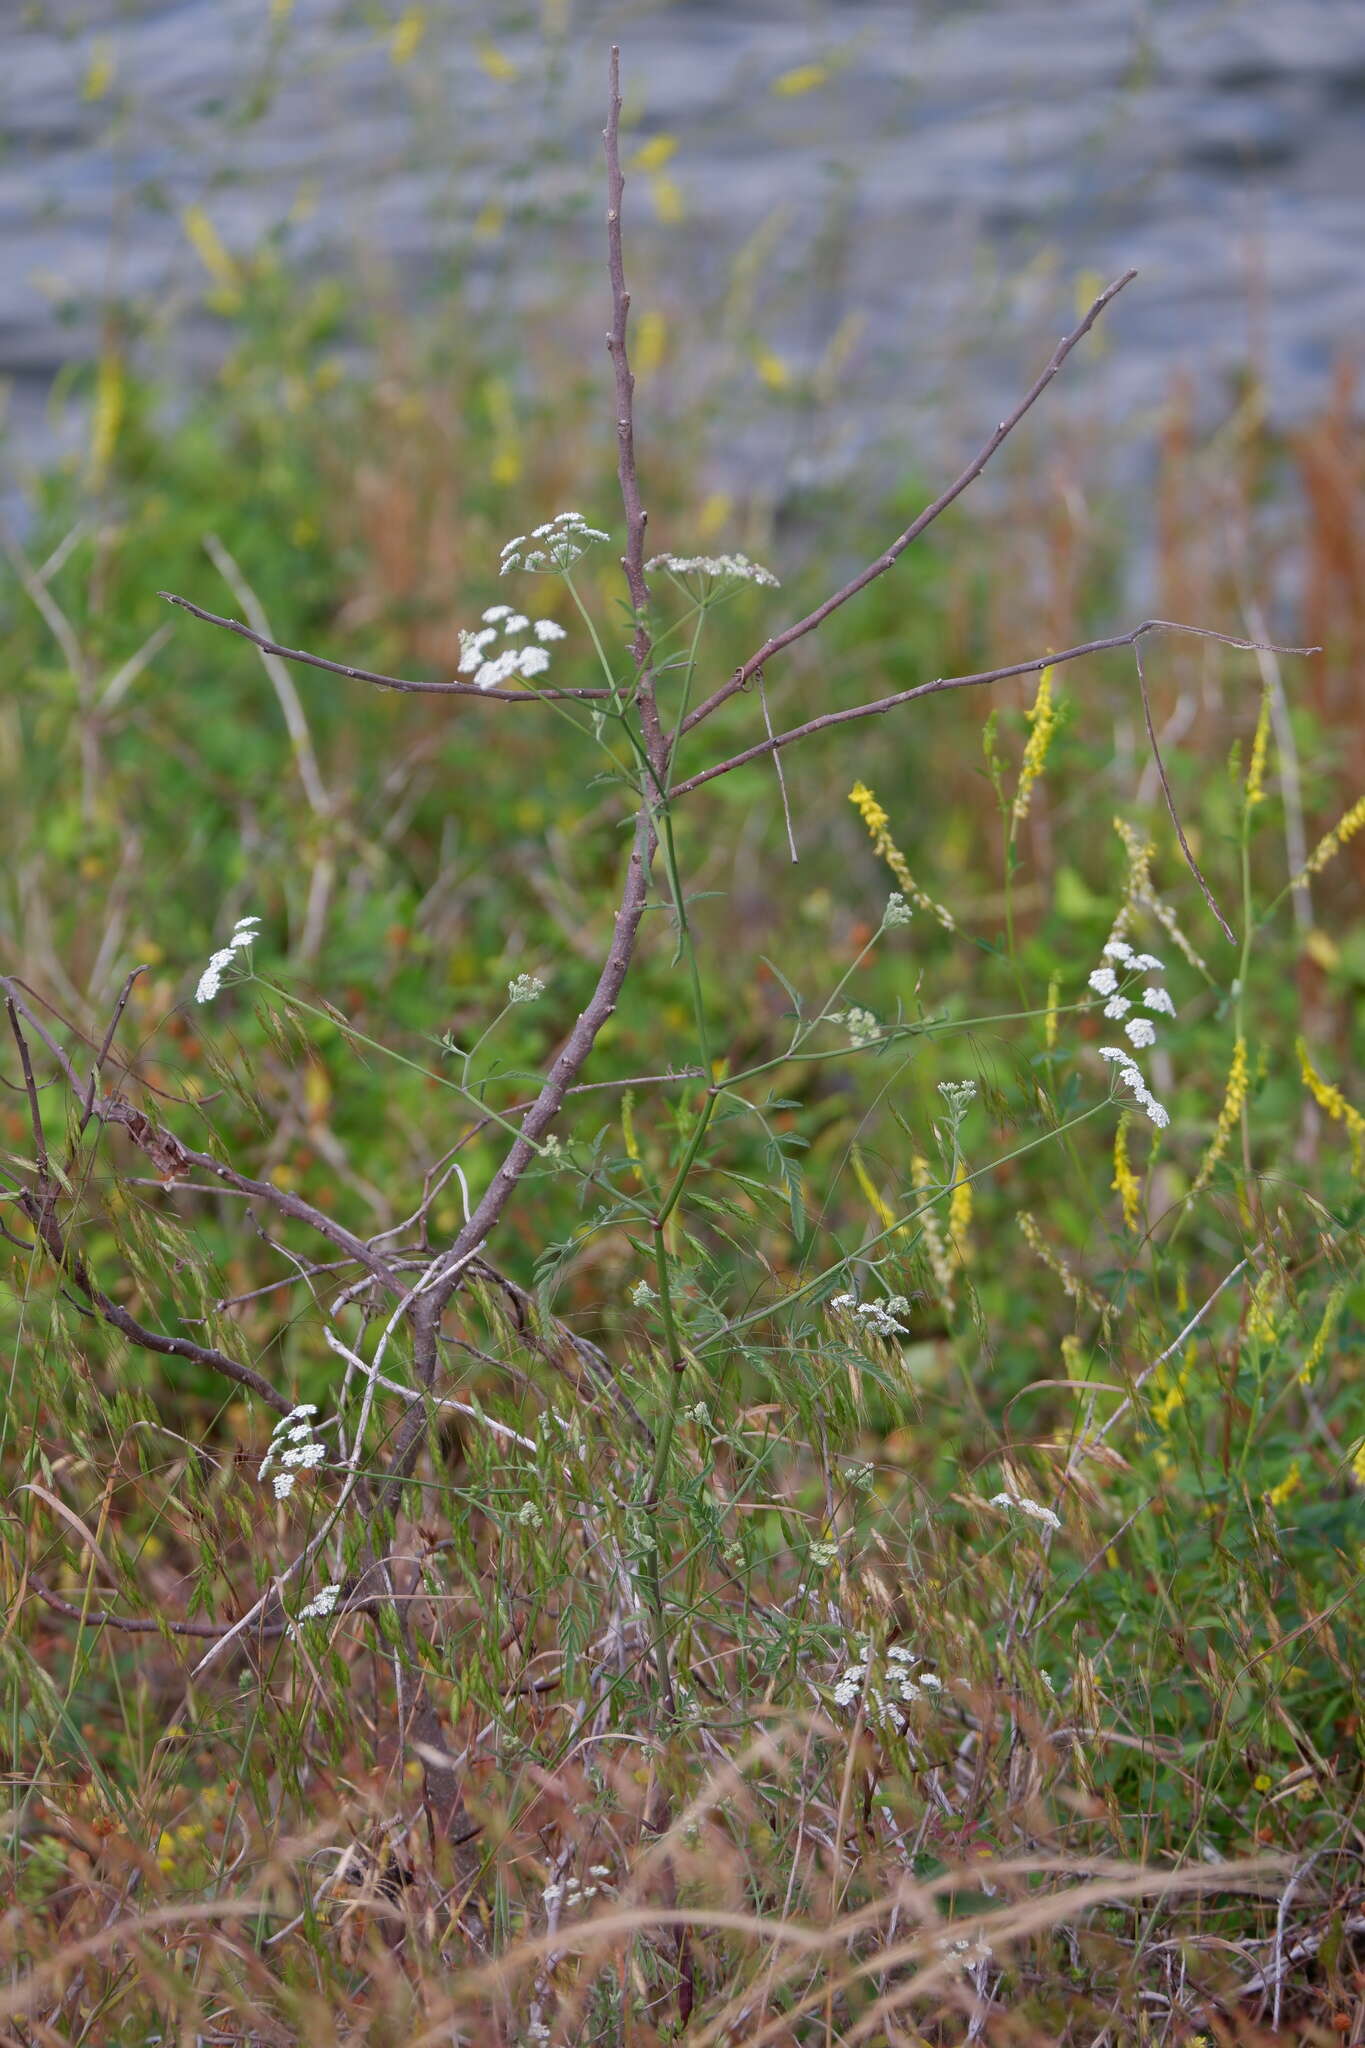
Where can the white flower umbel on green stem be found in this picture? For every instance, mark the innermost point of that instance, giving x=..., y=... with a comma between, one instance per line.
x=561, y=541
x=294, y=1448
x=524, y=988
x=211, y=980
x=716, y=568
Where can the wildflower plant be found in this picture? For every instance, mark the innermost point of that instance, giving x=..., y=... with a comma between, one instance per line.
x=646, y=1493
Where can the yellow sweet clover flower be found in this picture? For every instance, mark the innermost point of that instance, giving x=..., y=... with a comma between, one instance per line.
x=1255, y=783
x=1331, y=843
x=1262, y=1317
x=876, y=1200
x=1042, y=719
x=960, y=1216
x=802, y=78
x=884, y=846
x=1323, y=1337
x=1234, y=1101
x=1290, y=1484
x=405, y=36
x=1331, y=1099
x=1125, y=1182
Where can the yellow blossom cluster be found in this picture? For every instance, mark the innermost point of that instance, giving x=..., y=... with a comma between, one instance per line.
x=884, y=846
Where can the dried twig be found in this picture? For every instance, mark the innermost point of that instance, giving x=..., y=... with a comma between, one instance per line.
x=370, y=675
x=918, y=525
x=975, y=681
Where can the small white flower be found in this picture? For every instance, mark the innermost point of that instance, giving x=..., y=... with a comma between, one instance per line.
x=1116, y=1052
x=721, y=568
x=897, y=912
x=515, y=622
x=549, y=629
x=700, y=1414
x=1112, y=949
x=283, y=1483
x=532, y=661
x=861, y=1026
x=1160, y=1117
x=842, y=1301
x=823, y=1553
x=1147, y=963
x=321, y=1605
x=898, y=1654
x=642, y=1294
x=932, y=1680
x=1141, y=1031
x=211, y=980
x=497, y=611
x=524, y=988
x=518, y=540
x=1117, y=1006
x=1158, y=999
x=551, y=1151
x=1103, y=980
x=529, y=1515
x=306, y=1457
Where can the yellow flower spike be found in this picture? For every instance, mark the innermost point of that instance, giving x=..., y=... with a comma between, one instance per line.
x=960, y=1216
x=876, y=1200
x=1330, y=845
x=1234, y=1100
x=101, y=70
x=209, y=247
x=885, y=847
x=772, y=370
x=406, y=36
x=1334, y=1103
x=1324, y=1335
x=1125, y=1181
x=1042, y=719
x=654, y=154
x=1054, y=990
x=495, y=64
x=1255, y=783
x=108, y=416
x=1290, y=1484
x=802, y=78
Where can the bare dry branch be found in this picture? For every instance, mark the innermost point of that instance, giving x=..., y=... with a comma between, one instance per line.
x=971, y=682
x=370, y=675
x=918, y=525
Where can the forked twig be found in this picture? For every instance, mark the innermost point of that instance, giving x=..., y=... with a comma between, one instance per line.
x=975, y=681
x=917, y=525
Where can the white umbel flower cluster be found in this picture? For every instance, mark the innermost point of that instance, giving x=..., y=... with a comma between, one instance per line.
x=562, y=540
x=1121, y=963
x=877, y=1316
x=491, y=670
x=887, y=1686
x=211, y=980
x=293, y=1449
x=524, y=988
x=719, y=568
x=861, y=1026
